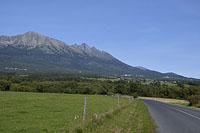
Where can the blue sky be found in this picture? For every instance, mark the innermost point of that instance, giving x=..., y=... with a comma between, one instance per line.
x=162, y=35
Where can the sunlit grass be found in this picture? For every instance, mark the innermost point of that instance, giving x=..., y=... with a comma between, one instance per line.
x=46, y=112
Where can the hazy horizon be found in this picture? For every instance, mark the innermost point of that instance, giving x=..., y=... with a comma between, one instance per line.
x=160, y=35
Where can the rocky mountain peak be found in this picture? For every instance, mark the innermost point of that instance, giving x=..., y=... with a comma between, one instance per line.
x=85, y=46
x=91, y=51
x=30, y=39
x=32, y=33
x=33, y=40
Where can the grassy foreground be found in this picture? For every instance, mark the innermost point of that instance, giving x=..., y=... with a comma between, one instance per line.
x=45, y=112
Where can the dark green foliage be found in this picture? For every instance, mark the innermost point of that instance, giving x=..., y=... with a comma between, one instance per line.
x=79, y=130
x=194, y=100
x=5, y=85
x=76, y=84
x=120, y=87
x=135, y=95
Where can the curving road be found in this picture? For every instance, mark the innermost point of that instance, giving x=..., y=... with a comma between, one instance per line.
x=174, y=119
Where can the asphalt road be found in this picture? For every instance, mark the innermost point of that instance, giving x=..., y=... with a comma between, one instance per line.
x=174, y=119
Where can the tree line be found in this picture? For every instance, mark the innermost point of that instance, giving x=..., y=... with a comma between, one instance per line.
x=178, y=90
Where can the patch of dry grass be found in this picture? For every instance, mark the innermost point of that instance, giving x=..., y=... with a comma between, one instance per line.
x=167, y=100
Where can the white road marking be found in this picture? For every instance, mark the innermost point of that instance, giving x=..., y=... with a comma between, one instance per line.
x=181, y=111
x=187, y=114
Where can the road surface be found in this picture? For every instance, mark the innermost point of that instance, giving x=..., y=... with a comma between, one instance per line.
x=174, y=119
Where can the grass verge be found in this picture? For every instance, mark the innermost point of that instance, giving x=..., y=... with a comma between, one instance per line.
x=45, y=112
x=133, y=118
x=168, y=100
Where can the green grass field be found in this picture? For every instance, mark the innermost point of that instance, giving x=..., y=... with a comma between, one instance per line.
x=45, y=112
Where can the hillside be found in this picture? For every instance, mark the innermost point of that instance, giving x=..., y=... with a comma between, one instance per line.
x=32, y=52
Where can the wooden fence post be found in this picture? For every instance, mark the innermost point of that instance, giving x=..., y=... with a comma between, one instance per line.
x=118, y=99
x=85, y=108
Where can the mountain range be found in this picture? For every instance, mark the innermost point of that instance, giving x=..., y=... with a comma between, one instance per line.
x=33, y=52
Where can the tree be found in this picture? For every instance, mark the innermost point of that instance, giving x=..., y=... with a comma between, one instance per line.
x=5, y=85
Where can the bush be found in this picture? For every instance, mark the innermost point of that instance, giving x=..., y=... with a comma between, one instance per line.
x=20, y=88
x=79, y=130
x=135, y=95
x=5, y=85
x=194, y=100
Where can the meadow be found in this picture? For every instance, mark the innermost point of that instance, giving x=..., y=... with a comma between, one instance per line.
x=50, y=112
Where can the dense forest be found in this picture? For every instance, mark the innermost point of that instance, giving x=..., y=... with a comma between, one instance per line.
x=79, y=84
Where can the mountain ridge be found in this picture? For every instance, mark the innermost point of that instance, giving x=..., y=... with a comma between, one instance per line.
x=33, y=40
x=38, y=52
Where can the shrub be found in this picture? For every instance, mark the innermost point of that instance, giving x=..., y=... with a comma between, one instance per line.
x=194, y=100
x=5, y=85
x=135, y=95
x=79, y=130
